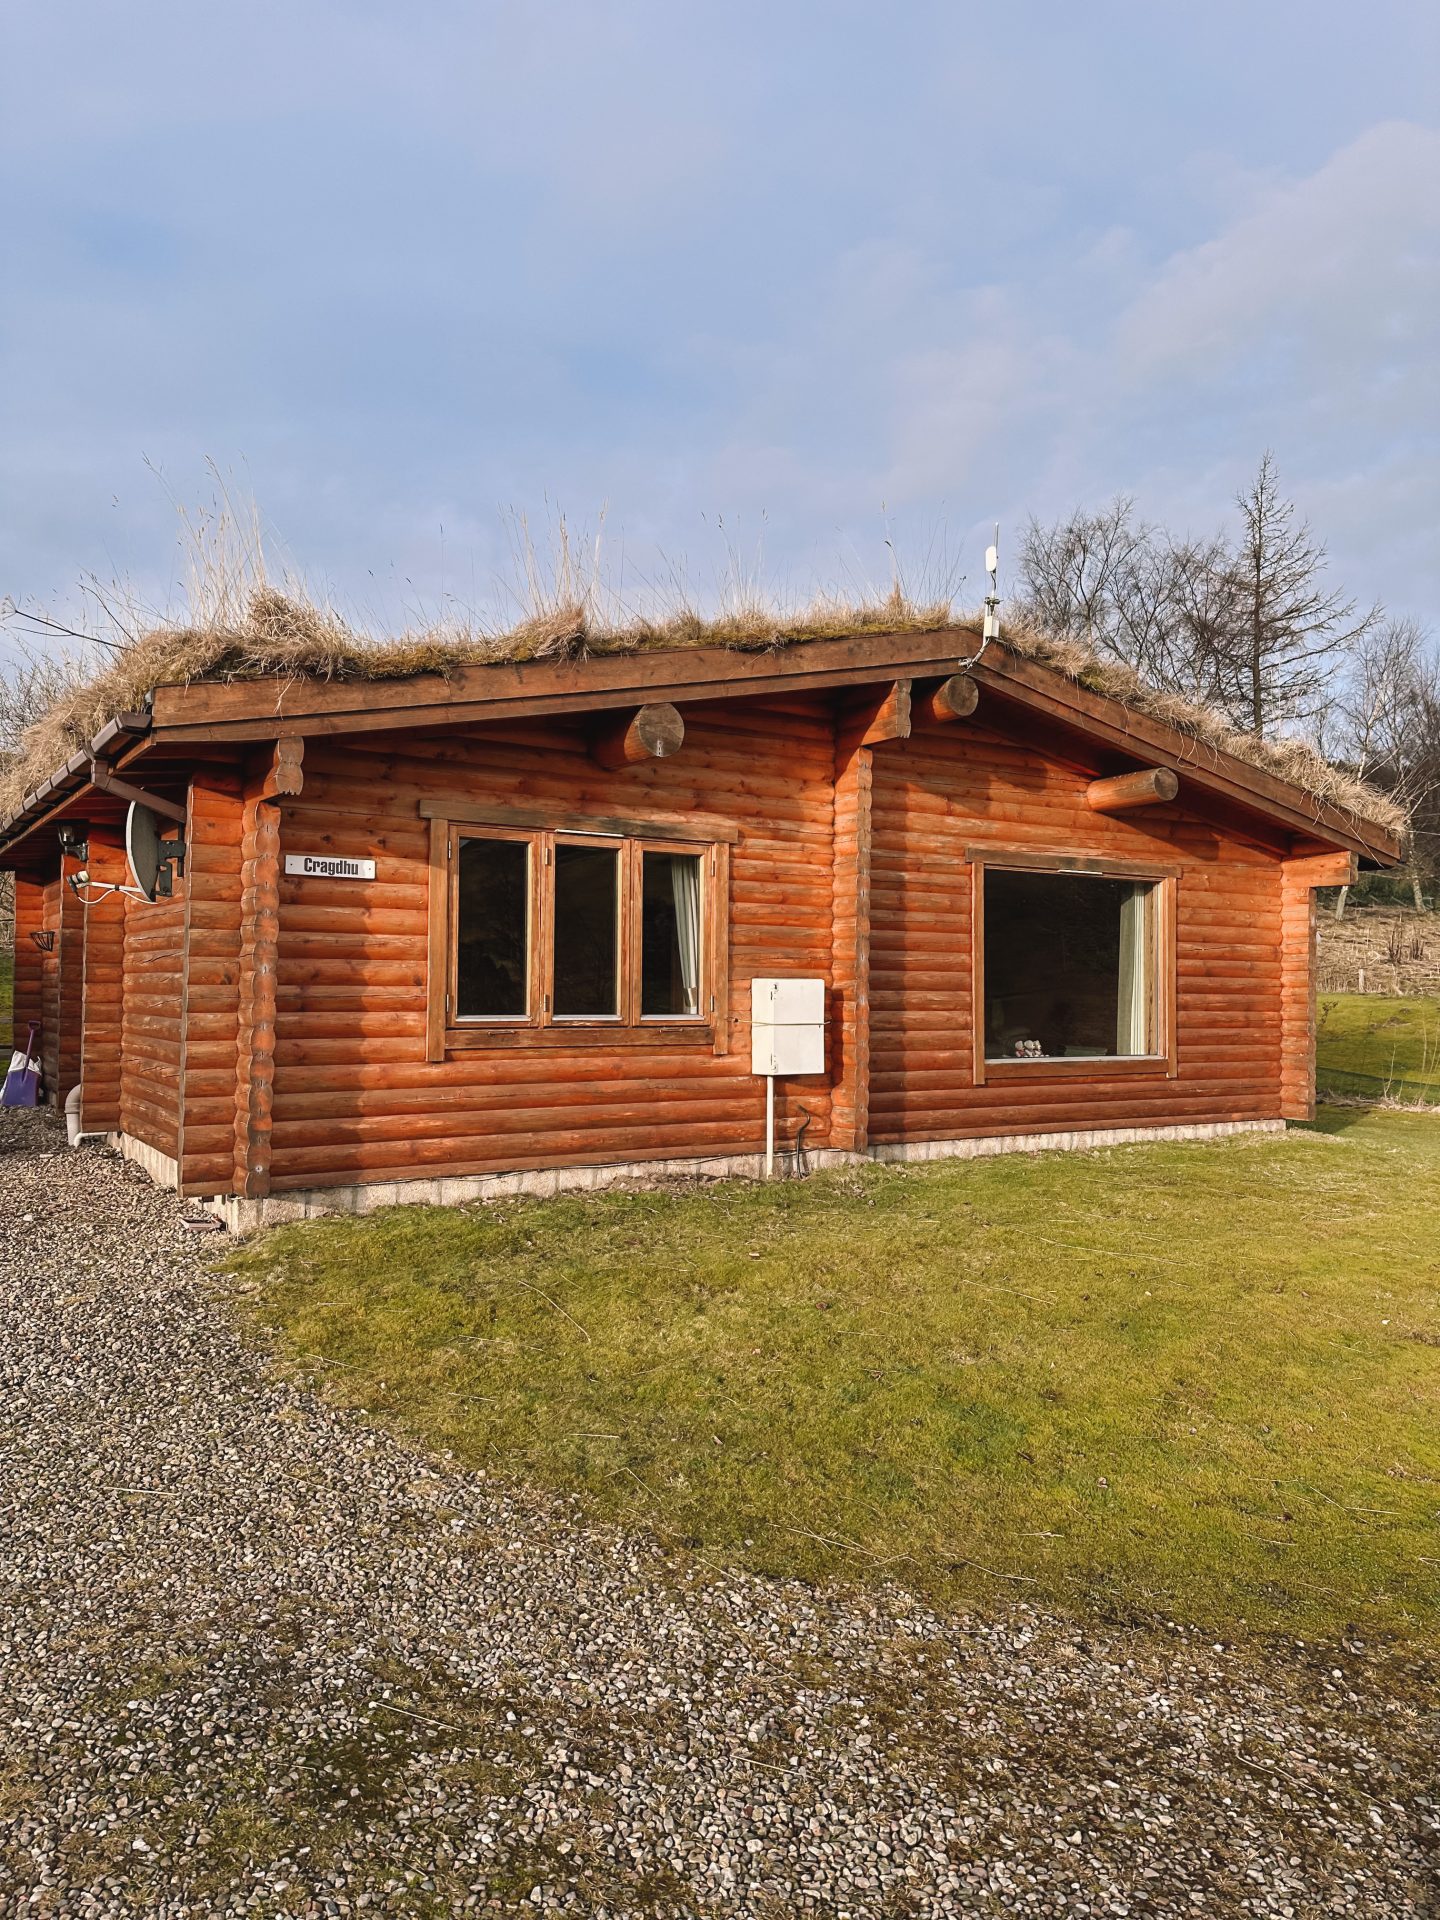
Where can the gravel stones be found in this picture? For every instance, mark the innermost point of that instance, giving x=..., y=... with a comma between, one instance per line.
x=257, y=1658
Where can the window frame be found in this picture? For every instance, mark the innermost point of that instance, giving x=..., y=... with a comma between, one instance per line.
x=1163, y=880
x=448, y=1033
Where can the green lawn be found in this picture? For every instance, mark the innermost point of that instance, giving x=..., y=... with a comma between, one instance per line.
x=1200, y=1381
x=1371, y=1045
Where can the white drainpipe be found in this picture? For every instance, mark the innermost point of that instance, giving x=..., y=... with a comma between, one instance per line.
x=72, y=1117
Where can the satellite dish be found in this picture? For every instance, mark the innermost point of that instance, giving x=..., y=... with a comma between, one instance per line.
x=142, y=848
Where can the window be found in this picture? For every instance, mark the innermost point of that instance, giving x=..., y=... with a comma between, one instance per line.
x=492, y=921
x=568, y=934
x=587, y=931
x=669, y=933
x=1071, y=968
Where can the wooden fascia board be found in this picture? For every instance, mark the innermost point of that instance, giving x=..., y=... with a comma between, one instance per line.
x=256, y=710
x=543, y=686
x=1197, y=762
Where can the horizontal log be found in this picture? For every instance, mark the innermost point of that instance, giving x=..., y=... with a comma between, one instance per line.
x=652, y=732
x=1125, y=790
x=954, y=699
x=1322, y=870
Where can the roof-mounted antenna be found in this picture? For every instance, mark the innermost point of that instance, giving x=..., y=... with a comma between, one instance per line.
x=991, y=629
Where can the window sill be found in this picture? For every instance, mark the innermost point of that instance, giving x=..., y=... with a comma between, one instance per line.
x=696, y=1033
x=1103, y=1066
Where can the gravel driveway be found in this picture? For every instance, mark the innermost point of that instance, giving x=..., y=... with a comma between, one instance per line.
x=257, y=1658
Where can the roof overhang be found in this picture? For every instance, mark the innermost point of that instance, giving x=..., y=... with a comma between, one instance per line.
x=202, y=716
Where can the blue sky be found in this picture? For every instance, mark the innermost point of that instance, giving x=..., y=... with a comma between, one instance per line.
x=779, y=278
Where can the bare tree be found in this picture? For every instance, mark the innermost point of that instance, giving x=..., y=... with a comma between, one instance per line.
x=30, y=684
x=1281, y=635
x=1128, y=589
x=1248, y=626
x=1388, y=729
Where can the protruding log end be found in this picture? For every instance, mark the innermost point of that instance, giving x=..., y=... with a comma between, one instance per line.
x=650, y=733
x=954, y=699
x=287, y=766
x=1124, y=790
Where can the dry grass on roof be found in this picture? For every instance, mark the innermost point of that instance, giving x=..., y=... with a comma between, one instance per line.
x=281, y=634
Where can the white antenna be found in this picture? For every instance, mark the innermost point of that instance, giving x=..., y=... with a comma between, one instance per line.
x=991, y=629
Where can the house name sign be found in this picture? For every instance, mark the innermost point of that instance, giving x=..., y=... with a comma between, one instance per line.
x=325, y=866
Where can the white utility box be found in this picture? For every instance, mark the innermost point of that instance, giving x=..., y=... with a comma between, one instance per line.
x=787, y=1027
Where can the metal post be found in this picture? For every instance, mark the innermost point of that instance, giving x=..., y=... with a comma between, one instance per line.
x=769, y=1126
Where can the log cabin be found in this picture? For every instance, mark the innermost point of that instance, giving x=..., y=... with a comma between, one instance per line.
x=492, y=929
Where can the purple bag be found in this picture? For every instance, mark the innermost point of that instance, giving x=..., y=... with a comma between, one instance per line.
x=22, y=1082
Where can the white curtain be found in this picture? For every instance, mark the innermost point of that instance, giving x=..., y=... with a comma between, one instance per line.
x=685, y=882
x=1133, y=1019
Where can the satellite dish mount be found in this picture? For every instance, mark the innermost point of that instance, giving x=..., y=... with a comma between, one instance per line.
x=153, y=862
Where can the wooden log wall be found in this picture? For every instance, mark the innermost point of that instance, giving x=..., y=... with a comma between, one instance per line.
x=354, y=1096
x=211, y=987
x=850, y=914
x=28, y=989
x=1299, y=879
x=151, y=1021
x=1297, y=1028
x=101, y=1015
x=966, y=785
x=62, y=981
x=259, y=929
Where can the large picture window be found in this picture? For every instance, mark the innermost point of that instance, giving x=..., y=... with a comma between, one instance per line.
x=568, y=933
x=1072, y=968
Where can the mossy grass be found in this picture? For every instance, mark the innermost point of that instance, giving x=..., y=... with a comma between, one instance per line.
x=1393, y=1041
x=1193, y=1381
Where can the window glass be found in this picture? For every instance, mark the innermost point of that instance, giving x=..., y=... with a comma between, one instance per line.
x=670, y=933
x=492, y=968
x=587, y=931
x=1069, y=966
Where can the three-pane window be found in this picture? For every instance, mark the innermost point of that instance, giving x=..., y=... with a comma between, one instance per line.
x=555, y=928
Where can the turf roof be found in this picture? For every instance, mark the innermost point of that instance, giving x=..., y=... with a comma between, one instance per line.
x=285, y=636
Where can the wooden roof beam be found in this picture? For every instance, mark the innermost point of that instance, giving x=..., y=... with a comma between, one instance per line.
x=878, y=714
x=954, y=699
x=652, y=732
x=1147, y=788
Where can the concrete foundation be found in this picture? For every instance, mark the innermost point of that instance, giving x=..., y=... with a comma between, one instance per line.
x=248, y=1216
x=160, y=1167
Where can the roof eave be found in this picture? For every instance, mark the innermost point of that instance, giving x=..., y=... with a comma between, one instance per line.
x=51, y=799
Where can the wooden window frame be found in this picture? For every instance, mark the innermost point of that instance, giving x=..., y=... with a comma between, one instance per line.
x=446, y=1033
x=1163, y=880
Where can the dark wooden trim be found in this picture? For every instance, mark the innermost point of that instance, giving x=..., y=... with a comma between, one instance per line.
x=718, y=945
x=1164, y=1012
x=599, y=679
x=542, y=1027
x=567, y=1035
x=437, y=940
x=1067, y=861
x=102, y=778
x=1102, y=1067
x=1207, y=767
x=702, y=828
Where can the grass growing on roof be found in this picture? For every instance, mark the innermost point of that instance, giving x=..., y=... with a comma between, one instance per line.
x=1201, y=1382
x=238, y=624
